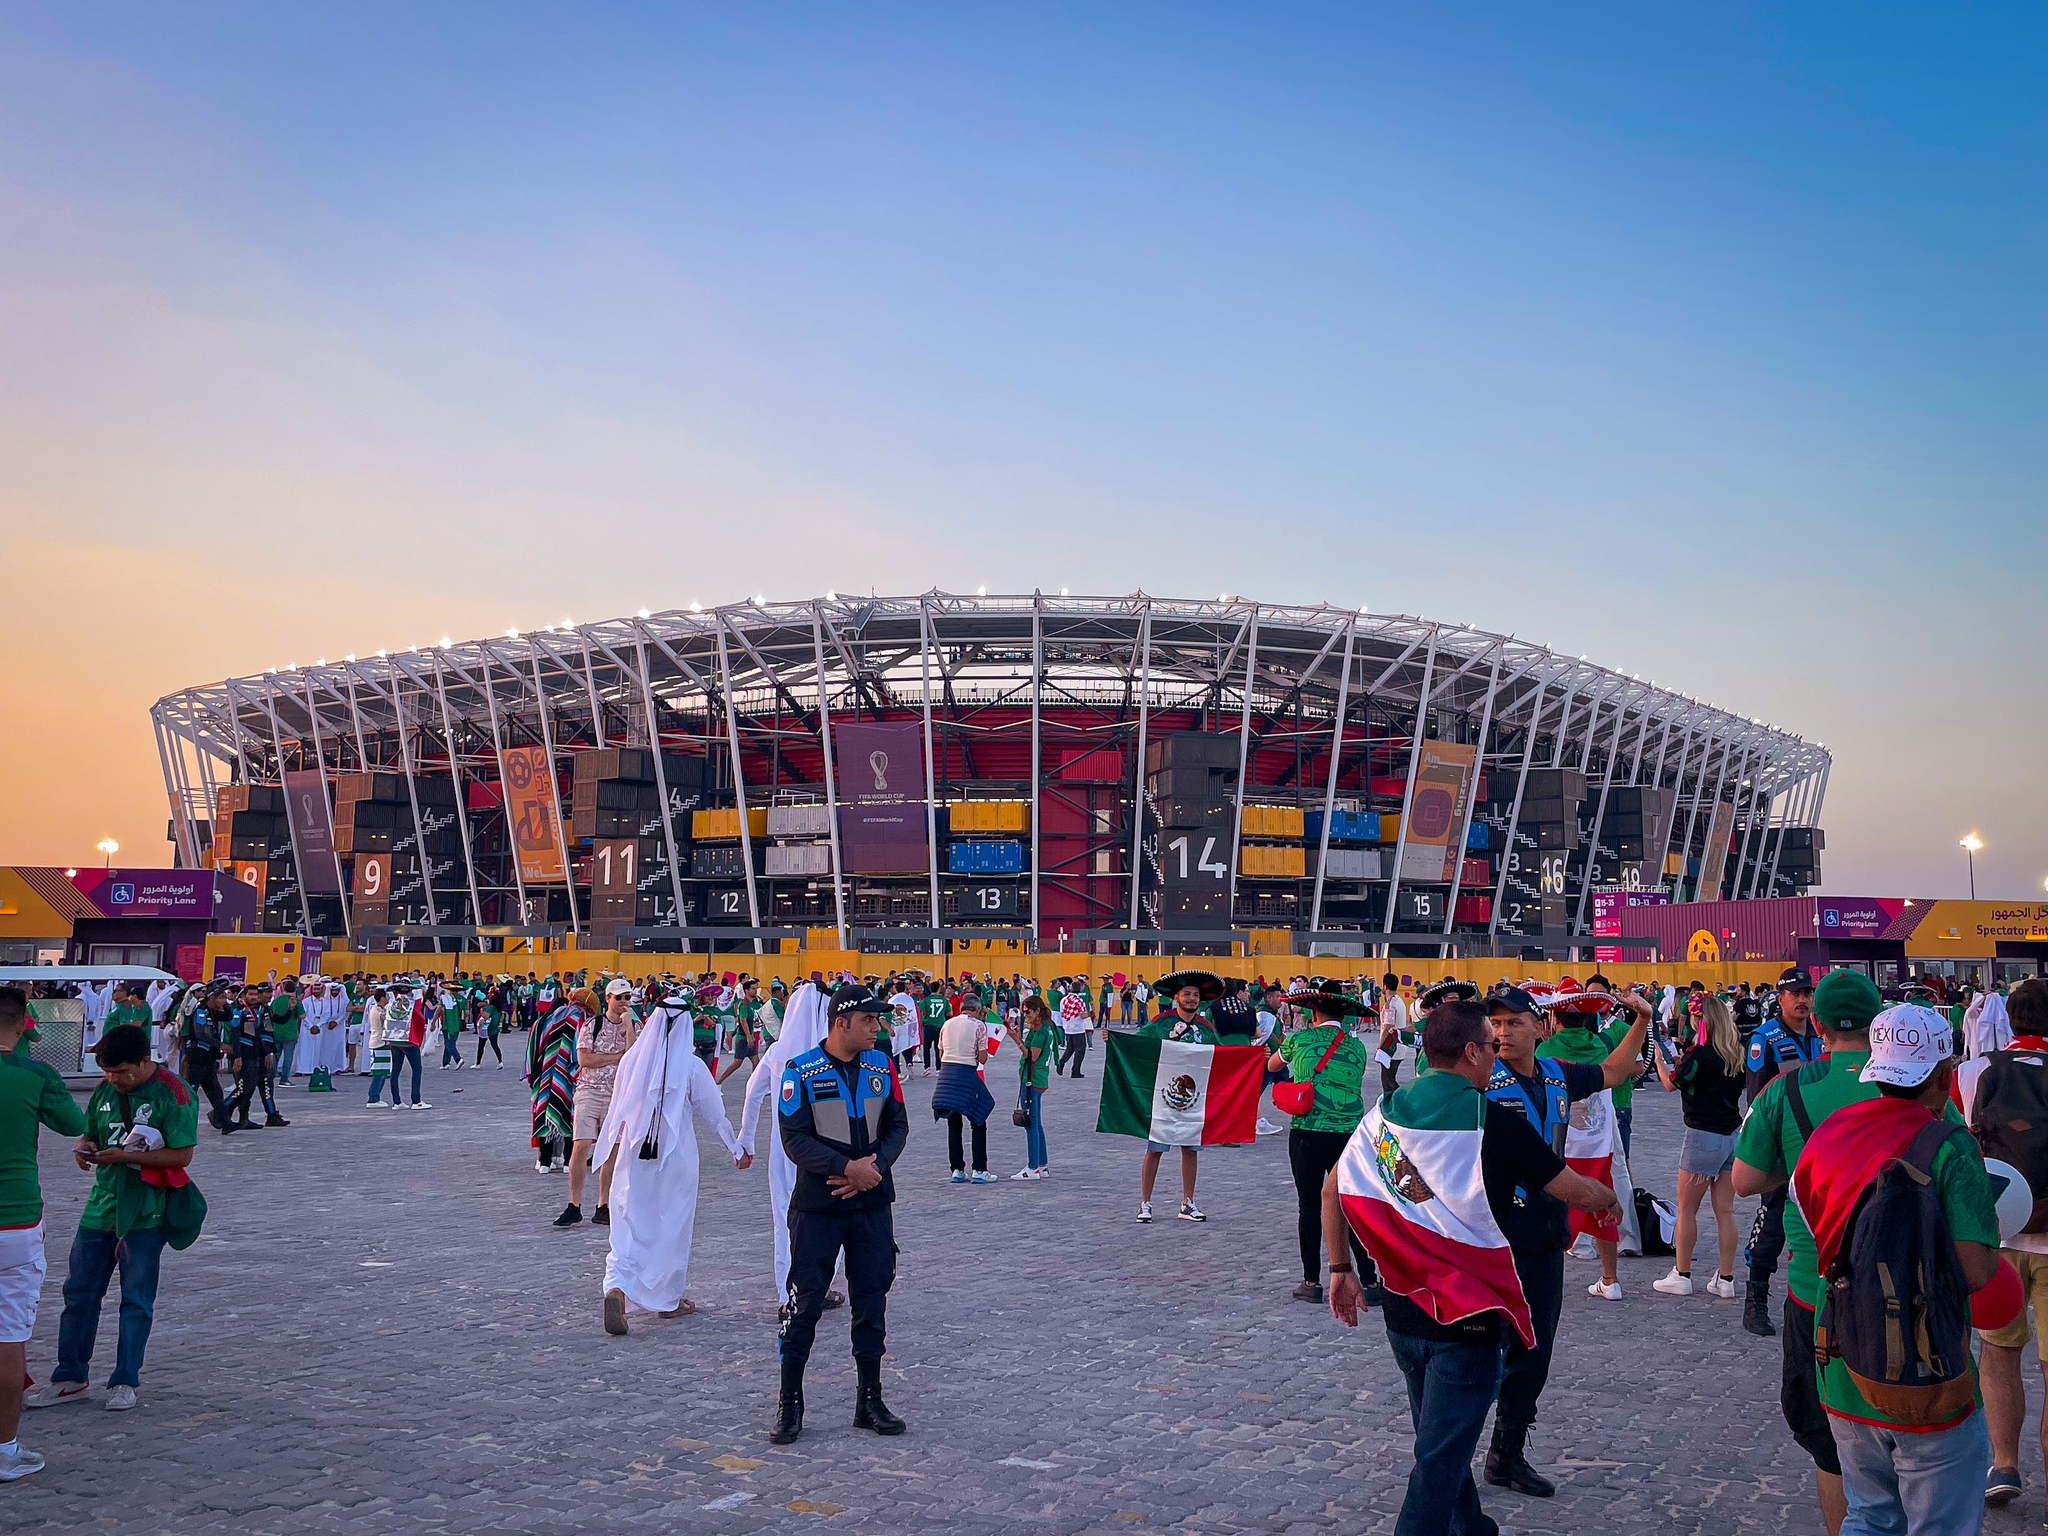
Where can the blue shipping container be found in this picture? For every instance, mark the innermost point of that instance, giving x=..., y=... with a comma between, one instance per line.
x=1479, y=840
x=1345, y=827
x=985, y=858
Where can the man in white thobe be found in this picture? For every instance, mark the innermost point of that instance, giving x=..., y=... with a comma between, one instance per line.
x=804, y=1027
x=662, y=1092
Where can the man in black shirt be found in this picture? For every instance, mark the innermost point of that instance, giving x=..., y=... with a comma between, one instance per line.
x=840, y=1114
x=1453, y=1370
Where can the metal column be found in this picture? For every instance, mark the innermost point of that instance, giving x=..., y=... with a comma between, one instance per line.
x=505, y=809
x=1415, y=739
x=1600, y=811
x=1244, y=742
x=832, y=780
x=320, y=761
x=419, y=827
x=1471, y=800
x=739, y=778
x=547, y=747
x=1138, y=767
x=668, y=826
x=1037, y=744
x=1511, y=857
x=931, y=778
x=291, y=834
x=476, y=901
x=1315, y=911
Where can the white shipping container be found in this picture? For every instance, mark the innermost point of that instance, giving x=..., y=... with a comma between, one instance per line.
x=1353, y=864
x=799, y=821
x=800, y=859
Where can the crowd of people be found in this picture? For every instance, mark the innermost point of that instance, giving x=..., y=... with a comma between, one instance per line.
x=1836, y=1105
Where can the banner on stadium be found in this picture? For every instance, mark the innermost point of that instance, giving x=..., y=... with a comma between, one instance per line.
x=1436, y=811
x=1714, y=862
x=533, y=809
x=312, y=824
x=1608, y=907
x=882, y=813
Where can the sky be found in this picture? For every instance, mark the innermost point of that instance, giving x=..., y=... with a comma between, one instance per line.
x=1710, y=345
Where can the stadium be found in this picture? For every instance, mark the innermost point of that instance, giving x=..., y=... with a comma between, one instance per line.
x=1082, y=773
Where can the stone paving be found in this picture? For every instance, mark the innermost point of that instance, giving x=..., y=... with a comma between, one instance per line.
x=381, y=1331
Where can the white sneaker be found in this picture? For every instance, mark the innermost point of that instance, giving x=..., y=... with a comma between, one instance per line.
x=541, y=1167
x=19, y=1462
x=1605, y=1291
x=1582, y=1249
x=1188, y=1212
x=1673, y=1284
x=1022, y=1175
x=421, y=1104
x=1268, y=1128
x=1725, y=1289
x=396, y=1105
x=1144, y=1210
x=120, y=1399
x=49, y=1394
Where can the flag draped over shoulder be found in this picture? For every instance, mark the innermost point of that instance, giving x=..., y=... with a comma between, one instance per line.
x=1181, y=1095
x=1589, y=1142
x=1410, y=1185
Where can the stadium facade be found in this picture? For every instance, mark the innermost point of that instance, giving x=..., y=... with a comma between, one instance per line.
x=1080, y=770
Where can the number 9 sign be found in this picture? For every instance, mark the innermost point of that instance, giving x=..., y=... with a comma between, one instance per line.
x=372, y=876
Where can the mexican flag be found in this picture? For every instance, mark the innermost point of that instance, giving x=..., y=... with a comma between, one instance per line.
x=1179, y=1094
x=1590, y=1139
x=1409, y=1184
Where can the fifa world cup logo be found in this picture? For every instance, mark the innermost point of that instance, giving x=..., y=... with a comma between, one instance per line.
x=879, y=761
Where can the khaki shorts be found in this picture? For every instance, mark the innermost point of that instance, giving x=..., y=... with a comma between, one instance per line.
x=589, y=1118
x=2033, y=1268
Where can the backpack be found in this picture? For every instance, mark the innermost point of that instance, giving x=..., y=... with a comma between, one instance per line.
x=1656, y=1224
x=1896, y=1307
x=2010, y=1116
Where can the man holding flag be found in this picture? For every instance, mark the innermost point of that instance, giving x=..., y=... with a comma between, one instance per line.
x=1434, y=1180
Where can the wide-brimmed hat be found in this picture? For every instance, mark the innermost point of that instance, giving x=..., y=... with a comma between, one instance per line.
x=1571, y=998
x=1211, y=985
x=1330, y=1000
x=1448, y=991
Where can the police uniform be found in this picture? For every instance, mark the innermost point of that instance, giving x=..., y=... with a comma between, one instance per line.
x=1537, y=1235
x=1774, y=1048
x=830, y=1113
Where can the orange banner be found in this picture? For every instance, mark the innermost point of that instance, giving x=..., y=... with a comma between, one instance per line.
x=1436, y=813
x=533, y=809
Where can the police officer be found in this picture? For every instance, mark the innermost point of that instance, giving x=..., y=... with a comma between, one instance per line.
x=1538, y=1230
x=1783, y=1042
x=843, y=1126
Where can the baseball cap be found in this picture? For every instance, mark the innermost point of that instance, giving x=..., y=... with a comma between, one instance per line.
x=852, y=997
x=1907, y=1042
x=619, y=987
x=1798, y=979
x=1514, y=1000
x=1846, y=1000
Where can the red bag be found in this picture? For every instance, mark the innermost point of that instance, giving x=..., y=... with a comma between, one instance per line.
x=1300, y=1098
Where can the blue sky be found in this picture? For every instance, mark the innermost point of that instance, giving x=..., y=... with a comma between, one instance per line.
x=1709, y=345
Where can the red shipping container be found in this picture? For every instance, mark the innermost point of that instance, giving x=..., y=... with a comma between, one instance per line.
x=1474, y=909
x=1393, y=788
x=485, y=794
x=1103, y=765
x=1477, y=873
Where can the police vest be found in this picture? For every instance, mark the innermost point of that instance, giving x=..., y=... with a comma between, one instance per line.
x=1774, y=1048
x=813, y=1079
x=1549, y=1110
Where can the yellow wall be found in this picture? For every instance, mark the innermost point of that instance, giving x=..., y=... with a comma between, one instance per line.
x=270, y=955
x=1972, y=930
x=25, y=915
x=795, y=967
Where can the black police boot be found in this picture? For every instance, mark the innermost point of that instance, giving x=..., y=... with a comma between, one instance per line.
x=1756, y=1310
x=789, y=1407
x=869, y=1411
x=1508, y=1467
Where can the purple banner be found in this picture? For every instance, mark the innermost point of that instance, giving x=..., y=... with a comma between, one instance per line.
x=305, y=802
x=179, y=893
x=882, y=812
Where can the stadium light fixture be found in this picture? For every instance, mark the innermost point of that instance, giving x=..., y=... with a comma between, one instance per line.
x=351, y=656
x=382, y=652
x=831, y=596
x=643, y=613
x=981, y=591
x=109, y=847
x=70, y=874
x=1971, y=844
x=321, y=662
x=759, y=599
x=696, y=607
x=446, y=642
x=511, y=634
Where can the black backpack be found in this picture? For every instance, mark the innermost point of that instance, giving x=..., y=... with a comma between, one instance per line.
x=1896, y=1309
x=2010, y=1116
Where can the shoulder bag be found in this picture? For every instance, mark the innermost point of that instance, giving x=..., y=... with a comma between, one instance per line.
x=1300, y=1098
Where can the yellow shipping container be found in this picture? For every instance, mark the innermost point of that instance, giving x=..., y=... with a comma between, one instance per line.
x=1390, y=826
x=991, y=815
x=711, y=825
x=1291, y=862
x=1272, y=941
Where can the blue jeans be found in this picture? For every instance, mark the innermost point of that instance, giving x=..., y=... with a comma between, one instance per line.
x=400, y=1055
x=94, y=1257
x=287, y=1052
x=1450, y=1389
x=1625, y=1122
x=1932, y=1485
x=1034, y=1133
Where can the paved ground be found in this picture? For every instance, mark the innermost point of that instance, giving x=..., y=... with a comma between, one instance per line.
x=380, y=1331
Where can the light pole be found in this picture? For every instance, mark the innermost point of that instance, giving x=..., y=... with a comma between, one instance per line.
x=109, y=847
x=1970, y=846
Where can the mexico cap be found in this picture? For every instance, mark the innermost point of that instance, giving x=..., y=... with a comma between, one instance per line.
x=1846, y=1000
x=1907, y=1042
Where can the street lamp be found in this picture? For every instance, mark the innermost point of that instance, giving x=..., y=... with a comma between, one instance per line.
x=109, y=847
x=1970, y=846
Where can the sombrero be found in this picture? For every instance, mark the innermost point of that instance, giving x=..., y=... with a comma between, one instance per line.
x=1211, y=985
x=1329, y=1000
x=1448, y=991
x=1570, y=997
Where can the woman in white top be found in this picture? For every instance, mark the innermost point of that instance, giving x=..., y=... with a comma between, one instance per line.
x=961, y=1093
